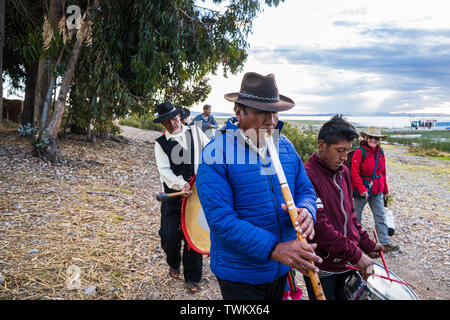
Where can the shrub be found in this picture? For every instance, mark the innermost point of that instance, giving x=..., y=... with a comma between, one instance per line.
x=130, y=122
x=27, y=130
x=142, y=122
x=304, y=140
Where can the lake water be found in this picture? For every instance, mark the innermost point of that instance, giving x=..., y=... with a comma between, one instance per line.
x=385, y=122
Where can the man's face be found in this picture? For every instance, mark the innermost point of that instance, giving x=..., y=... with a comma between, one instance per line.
x=207, y=112
x=334, y=155
x=173, y=125
x=256, y=120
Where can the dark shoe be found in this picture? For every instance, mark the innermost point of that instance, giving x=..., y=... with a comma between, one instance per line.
x=390, y=248
x=174, y=273
x=192, y=287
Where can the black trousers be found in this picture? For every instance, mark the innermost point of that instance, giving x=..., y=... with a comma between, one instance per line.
x=333, y=286
x=244, y=291
x=172, y=236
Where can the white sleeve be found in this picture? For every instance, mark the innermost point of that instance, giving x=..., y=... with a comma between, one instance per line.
x=204, y=140
x=166, y=174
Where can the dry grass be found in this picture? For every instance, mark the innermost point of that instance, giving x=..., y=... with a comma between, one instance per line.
x=95, y=213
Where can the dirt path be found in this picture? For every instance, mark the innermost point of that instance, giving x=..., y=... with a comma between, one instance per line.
x=96, y=211
x=420, y=188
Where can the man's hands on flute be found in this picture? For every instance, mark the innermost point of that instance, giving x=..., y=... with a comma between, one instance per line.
x=295, y=253
x=304, y=224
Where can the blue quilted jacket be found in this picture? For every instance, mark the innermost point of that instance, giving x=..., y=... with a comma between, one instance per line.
x=241, y=199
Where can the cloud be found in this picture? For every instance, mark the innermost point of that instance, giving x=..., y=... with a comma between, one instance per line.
x=391, y=70
x=353, y=56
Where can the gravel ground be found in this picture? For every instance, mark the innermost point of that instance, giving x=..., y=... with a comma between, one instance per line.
x=420, y=189
x=121, y=257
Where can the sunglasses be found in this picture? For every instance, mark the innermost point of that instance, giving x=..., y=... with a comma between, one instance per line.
x=372, y=137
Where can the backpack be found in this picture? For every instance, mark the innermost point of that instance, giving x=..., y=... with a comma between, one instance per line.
x=348, y=162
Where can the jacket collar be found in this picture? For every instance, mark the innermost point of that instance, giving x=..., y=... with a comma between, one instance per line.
x=232, y=124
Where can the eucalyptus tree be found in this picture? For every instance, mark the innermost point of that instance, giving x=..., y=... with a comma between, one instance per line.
x=2, y=36
x=150, y=51
x=128, y=56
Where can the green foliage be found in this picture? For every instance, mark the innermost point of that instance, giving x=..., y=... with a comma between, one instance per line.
x=429, y=140
x=142, y=122
x=423, y=152
x=40, y=142
x=27, y=130
x=148, y=51
x=304, y=140
x=131, y=122
x=142, y=53
x=38, y=139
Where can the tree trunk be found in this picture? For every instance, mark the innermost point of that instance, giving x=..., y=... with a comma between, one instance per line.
x=30, y=85
x=48, y=94
x=60, y=104
x=48, y=97
x=42, y=84
x=55, y=123
x=55, y=12
x=2, y=36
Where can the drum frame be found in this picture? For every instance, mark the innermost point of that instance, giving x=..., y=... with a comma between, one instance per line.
x=183, y=223
x=358, y=289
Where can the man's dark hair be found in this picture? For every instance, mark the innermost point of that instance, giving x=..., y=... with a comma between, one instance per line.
x=240, y=105
x=206, y=106
x=337, y=129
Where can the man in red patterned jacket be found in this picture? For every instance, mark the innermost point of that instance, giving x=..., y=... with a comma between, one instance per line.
x=339, y=237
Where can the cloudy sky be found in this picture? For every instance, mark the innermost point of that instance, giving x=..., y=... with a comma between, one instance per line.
x=351, y=56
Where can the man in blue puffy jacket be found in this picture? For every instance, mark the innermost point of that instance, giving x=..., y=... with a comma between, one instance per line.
x=253, y=243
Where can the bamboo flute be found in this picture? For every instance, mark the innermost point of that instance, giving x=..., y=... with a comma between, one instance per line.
x=287, y=195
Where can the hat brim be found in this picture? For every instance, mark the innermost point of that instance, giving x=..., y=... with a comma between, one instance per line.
x=186, y=115
x=363, y=134
x=283, y=104
x=167, y=116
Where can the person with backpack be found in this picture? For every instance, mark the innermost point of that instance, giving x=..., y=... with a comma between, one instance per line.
x=368, y=171
x=340, y=238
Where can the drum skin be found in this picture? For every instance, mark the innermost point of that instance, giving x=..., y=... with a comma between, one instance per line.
x=377, y=288
x=193, y=222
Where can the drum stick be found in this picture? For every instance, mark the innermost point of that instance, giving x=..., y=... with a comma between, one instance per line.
x=314, y=277
x=163, y=196
x=381, y=254
x=378, y=275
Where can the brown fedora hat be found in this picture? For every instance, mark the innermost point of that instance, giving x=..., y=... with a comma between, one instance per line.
x=260, y=92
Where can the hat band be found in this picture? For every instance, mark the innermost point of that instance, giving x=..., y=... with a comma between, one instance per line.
x=166, y=113
x=258, y=98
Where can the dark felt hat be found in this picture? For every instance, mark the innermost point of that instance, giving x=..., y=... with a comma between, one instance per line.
x=185, y=113
x=260, y=92
x=166, y=111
